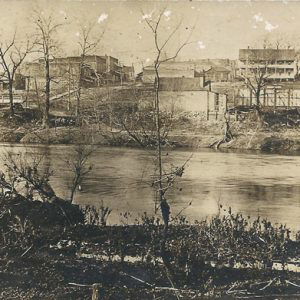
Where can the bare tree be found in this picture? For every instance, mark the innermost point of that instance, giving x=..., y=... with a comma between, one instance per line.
x=259, y=63
x=278, y=40
x=137, y=122
x=165, y=178
x=257, y=72
x=12, y=54
x=88, y=43
x=79, y=166
x=256, y=80
x=46, y=30
x=30, y=175
x=27, y=176
x=163, y=183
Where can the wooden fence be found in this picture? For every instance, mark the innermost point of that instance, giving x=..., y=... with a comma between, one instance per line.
x=270, y=98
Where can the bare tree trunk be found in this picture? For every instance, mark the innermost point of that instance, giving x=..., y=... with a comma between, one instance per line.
x=158, y=137
x=11, y=98
x=47, y=94
x=37, y=96
x=164, y=206
x=258, y=106
x=74, y=187
x=78, y=93
x=78, y=103
x=258, y=97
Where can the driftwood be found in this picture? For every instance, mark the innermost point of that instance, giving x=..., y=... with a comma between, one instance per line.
x=98, y=291
x=27, y=250
x=244, y=293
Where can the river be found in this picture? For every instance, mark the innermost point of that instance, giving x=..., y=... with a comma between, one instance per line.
x=251, y=183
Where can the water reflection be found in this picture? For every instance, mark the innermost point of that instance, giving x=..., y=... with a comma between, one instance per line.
x=268, y=185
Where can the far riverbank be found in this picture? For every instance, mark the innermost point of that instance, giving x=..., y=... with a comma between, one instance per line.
x=284, y=141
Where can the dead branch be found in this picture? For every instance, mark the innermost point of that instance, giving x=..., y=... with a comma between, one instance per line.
x=293, y=284
x=27, y=250
x=80, y=285
x=269, y=283
x=137, y=279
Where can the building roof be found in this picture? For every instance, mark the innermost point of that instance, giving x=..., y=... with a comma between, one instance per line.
x=182, y=66
x=77, y=58
x=218, y=69
x=267, y=54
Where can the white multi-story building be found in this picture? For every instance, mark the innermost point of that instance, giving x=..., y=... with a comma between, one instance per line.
x=277, y=64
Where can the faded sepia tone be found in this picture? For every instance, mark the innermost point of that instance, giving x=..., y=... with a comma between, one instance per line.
x=223, y=27
x=149, y=149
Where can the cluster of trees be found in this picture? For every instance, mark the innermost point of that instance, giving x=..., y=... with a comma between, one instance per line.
x=44, y=45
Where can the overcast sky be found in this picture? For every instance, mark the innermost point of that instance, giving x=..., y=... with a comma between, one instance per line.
x=221, y=28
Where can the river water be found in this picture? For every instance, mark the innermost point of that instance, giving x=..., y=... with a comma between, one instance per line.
x=251, y=183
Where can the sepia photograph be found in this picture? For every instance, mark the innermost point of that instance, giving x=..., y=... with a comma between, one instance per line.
x=149, y=149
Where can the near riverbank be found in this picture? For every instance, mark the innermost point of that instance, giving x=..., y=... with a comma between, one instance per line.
x=63, y=255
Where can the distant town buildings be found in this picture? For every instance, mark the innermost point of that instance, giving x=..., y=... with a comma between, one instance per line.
x=218, y=74
x=203, y=85
x=186, y=95
x=128, y=73
x=211, y=70
x=280, y=64
x=167, y=71
x=65, y=72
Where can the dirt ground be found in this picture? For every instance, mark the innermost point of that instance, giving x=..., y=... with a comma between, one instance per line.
x=63, y=262
x=56, y=276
